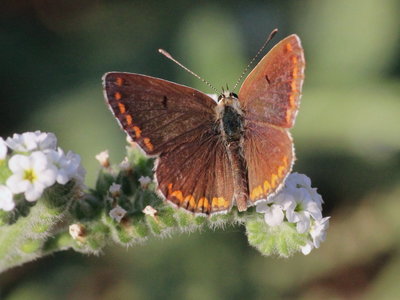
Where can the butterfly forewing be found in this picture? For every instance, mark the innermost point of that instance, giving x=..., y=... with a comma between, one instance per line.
x=156, y=112
x=178, y=124
x=271, y=92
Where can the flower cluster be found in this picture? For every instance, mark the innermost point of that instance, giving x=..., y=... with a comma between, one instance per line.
x=30, y=163
x=300, y=204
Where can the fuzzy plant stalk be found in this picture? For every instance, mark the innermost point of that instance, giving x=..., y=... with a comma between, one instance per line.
x=45, y=206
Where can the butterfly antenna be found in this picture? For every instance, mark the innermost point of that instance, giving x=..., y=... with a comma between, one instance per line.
x=169, y=56
x=270, y=37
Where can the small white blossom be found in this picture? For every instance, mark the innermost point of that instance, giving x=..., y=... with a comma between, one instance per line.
x=3, y=149
x=31, y=141
x=273, y=213
x=115, y=189
x=144, y=181
x=31, y=174
x=117, y=213
x=67, y=165
x=301, y=209
x=6, y=198
x=77, y=231
x=103, y=158
x=301, y=181
x=150, y=211
x=125, y=165
x=318, y=231
x=306, y=249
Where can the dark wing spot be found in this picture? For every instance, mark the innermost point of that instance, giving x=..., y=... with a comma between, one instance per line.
x=266, y=78
x=164, y=102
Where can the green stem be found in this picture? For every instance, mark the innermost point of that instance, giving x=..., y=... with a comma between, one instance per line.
x=23, y=241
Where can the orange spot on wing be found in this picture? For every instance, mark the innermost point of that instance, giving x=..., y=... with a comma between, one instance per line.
x=288, y=116
x=274, y=180
x=214, y=202
x=257, y=192
x=178, y=195
x=170, y=189
x=267, y=187
x=148, y=144
x=222, y=202
x=191, y=202
x=128, y=119
x=289, y=47
x=122, y=108
x=119, y=81
x=285, y=161
x=292, y=100
x=281, y=170
x=117, y=96
x=137, y=130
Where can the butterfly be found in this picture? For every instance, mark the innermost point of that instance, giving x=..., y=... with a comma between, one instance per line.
x=211, y=154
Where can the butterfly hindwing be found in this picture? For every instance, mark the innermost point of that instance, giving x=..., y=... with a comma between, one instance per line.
x=271, y=92
x=197, y=175
x=269, y=155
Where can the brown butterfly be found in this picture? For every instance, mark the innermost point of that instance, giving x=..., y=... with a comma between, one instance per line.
x=212, y=155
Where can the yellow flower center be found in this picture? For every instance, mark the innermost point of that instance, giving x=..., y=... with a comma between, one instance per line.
x=30, y=175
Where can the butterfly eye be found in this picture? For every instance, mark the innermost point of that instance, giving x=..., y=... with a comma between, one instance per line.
x=220, y=97
x=234, y=95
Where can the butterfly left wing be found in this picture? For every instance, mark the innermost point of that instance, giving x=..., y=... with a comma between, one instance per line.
x=178, y=124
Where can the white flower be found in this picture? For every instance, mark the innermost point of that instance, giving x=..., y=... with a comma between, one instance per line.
x=115, y=189
x=144, y=181
x=306, y=249
x=273, y=213
x=104, y=158
x=31, y=141
x=125, y=165
x=117, y=213
x=31, y=174
x=67, y=165
x=3, y=149
x=77, y=232
x=318, y=231
x=301, y=181
x=6, y=198
x=301, y=209
x=150, y=211
x=318, y=235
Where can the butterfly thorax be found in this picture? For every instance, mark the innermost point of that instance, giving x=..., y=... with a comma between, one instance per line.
x=230, y=116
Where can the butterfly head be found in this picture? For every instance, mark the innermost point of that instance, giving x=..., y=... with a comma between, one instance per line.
x=227, y=97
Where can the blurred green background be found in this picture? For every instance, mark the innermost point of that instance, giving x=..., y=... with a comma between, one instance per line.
x=347, y=137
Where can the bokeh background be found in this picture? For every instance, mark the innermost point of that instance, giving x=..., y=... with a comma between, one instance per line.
x=347, y=137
